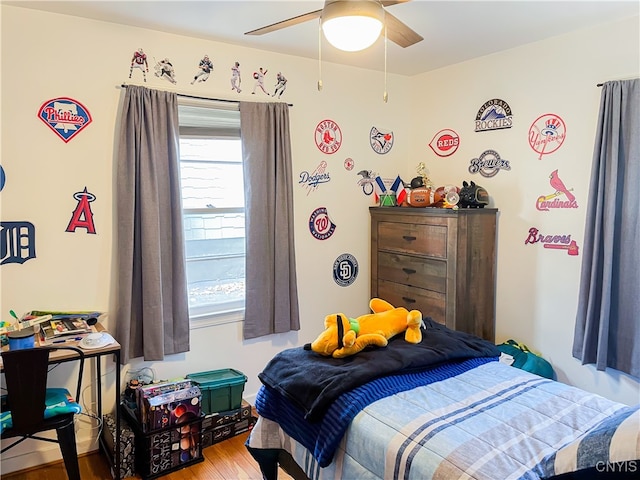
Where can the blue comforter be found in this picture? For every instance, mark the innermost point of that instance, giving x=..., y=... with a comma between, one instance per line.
x=312, y=382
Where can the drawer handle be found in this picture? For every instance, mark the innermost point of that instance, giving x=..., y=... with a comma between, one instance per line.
x=408, y=300
x=408, y=271
x=408, y=238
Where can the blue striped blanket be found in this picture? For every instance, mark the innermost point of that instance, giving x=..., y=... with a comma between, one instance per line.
x=490, y=422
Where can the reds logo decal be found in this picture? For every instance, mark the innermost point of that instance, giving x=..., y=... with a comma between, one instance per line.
x=320, y=225
x=65, y=116
x=445, y=143
x=547, y=134
x=381, y=142
x=328, y=137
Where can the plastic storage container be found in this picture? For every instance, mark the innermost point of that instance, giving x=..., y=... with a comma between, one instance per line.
x=221, y=389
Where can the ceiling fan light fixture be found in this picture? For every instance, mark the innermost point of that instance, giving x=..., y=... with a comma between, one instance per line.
x=352, y=25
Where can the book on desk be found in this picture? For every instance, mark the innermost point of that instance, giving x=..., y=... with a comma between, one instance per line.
x=64, y=327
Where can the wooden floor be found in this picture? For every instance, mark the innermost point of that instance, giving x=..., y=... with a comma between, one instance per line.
x=227, y=460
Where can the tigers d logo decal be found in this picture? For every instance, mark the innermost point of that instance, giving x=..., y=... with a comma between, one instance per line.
x=64, y=116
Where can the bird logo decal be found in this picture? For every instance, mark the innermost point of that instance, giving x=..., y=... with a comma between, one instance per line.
x=553, y=201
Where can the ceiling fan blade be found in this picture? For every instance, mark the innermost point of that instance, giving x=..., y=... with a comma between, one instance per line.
x=305, y=17
x=399, y=32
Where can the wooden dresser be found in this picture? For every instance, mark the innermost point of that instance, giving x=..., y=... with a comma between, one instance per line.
x=439, y=261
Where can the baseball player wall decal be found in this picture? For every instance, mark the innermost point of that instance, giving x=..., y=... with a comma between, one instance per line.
x=281, y=85
x=236, y=80
x=259, y=78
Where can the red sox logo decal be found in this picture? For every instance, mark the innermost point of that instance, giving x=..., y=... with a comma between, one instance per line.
x=328, y=137
x=445, y=143
x=64, y=116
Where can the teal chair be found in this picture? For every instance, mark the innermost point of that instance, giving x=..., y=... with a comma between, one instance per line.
x=29, y=407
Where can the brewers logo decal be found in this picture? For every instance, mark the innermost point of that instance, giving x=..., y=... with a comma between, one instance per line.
x=445, y=143
x=65, y=116
x=328, y=137
x=547, y=134
x=320, y=225
x=488, y=164
x=381, y=142
x=345, y=270
x=494, y=115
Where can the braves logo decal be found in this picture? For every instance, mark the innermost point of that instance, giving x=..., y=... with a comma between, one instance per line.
x=64, y=116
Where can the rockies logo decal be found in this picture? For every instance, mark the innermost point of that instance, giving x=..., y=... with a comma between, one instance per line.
x=381, y=142
x=64, y=116
x=320, y=225
x=345, y=270
x=445, y=143
x=494, y=115
x=328, y=137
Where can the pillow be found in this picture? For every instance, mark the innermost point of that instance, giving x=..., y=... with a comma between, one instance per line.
x=612, y=444
x=57, y=401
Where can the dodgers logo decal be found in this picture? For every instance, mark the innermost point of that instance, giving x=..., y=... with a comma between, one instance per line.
x=320, y=225
x=494, y=115
x=547, y=134
x=64, y=116
x=445, y=143
x=488, y=164
x=328, y=137
x=381, y=142
x=315, y=178
x=345, y=270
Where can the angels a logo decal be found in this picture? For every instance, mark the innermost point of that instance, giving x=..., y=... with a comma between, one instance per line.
x=64, y=116
x=381, y=142
x=328, y=137
x=82, y=216
x=345, y=270
x=547, y=134
x=320, y=225
x=494, y=115
x=445, y=143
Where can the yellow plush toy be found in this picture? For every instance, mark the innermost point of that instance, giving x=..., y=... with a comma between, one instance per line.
x=343, y=336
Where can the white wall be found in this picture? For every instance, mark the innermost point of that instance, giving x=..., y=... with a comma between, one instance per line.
x=73, y=270
x=45, y=56
x=537, y=288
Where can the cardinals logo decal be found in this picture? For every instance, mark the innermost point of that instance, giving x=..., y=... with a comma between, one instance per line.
x=547, y=134
x=544, y=203
x=381, y=142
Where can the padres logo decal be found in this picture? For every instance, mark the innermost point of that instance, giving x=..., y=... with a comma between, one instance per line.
x=345, y=270
x=547, y=134
x=328, y=137
x=381, y=142
x=494, y=115
x=445, y=143
x=488, y=164
x=64, y=116
x=320, y=225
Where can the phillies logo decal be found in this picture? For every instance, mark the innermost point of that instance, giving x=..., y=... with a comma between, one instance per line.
x=546, y=202
x=557, y=242
x=82, y=216
x=320, y=225
x=445, y=143
x=547, y=134
x=328, y=137
x=313, y=179
x=345, y=270
x=65, y=116
x=381, y=142
x=488, y=164
x=494, y=115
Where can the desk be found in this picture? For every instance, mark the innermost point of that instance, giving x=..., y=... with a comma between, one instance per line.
x=62, y=356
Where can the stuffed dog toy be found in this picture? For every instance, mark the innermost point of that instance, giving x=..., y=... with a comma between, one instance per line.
x=344, y=336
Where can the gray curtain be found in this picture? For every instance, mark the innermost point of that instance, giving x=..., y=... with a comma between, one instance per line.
x=607, y=331
x=271, y=304
x=152, y=314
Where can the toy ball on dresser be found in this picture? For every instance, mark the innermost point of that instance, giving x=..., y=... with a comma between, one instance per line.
x=473, y=196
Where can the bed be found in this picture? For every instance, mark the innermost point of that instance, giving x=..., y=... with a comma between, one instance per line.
x=442, y=409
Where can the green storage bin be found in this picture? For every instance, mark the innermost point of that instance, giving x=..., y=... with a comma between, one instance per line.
x=221, y=389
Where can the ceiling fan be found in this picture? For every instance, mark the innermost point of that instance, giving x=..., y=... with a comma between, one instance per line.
x=397, y=31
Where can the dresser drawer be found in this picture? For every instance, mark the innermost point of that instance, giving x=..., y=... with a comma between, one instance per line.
x=427, y=273
x=429, y=240
x=431, y=304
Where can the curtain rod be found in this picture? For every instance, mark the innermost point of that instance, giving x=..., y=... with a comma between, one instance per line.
x=124, y=85
x=619, y=80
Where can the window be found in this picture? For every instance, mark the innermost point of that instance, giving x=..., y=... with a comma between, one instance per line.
x=213, y=209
